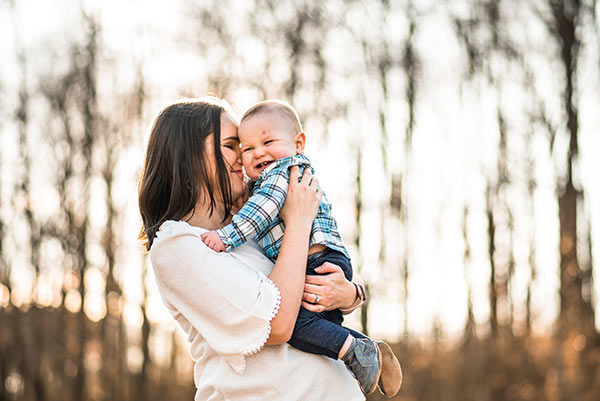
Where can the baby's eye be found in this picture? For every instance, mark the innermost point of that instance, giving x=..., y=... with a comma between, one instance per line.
x=246, y=149
x=268, y=142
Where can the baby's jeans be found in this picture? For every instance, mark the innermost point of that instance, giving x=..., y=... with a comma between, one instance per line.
x=322, y=333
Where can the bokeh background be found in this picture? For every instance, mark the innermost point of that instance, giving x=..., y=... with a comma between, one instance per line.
x=457, y=139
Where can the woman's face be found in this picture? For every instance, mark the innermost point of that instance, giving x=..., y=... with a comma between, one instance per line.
x=230, y=148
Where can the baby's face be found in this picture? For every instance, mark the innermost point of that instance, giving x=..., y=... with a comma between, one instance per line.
x=265, y=138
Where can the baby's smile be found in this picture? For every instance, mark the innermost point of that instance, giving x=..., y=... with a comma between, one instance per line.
x=262, y=165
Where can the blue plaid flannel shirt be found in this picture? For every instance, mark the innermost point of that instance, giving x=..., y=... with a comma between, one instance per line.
x=259, y=217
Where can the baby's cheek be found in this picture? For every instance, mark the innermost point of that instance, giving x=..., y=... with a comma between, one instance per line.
x=246, y=161
x=247, y=164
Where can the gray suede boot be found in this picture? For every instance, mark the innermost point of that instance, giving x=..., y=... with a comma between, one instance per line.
x=364, y=360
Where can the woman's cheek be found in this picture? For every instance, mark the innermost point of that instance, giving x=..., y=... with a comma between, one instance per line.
x=229, y=155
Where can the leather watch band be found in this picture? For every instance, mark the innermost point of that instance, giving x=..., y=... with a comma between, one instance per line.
x=360, y=292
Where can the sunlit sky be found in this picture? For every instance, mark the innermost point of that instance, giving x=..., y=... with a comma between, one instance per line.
x=453, y=153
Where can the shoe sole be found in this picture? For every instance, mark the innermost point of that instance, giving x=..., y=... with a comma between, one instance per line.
x=390, y=380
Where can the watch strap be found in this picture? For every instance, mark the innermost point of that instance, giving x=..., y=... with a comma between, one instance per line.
x=360, y=292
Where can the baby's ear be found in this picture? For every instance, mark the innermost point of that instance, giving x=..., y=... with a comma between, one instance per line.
x=299, y=140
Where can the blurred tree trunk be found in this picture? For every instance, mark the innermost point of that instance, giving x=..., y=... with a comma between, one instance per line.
x=29, y=333
x=110, y=326
x=407, y=59
x=115, y=134
x=358, y=205
x=143, y=379
x=501, y=260
x=411, y=70
x=72, y=98
x=469, y=334
x=510, y=270
x=502, y=267
x=531, y=187
x=487, y=45
x=575, y=311
x=294, y=39
x=384, y=65
x=6, y=313
x=576, y=315
x=493, y=287
x=56, y=94
x=89, y=114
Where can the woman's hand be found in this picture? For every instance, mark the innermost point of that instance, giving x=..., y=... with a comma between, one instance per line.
x=302, y=201
x=332, y=288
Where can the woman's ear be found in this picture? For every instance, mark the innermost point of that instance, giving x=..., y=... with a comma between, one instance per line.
x=299, y=140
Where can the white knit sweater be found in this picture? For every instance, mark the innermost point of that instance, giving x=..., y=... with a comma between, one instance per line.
x=225, y=302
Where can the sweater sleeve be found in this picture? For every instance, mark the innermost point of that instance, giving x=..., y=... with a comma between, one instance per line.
x=227, y=302
x=259, y=211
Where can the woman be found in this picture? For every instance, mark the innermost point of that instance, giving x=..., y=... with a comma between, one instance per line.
x=232, y=304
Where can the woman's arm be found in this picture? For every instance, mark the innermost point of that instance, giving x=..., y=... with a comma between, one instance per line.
x=298, y=213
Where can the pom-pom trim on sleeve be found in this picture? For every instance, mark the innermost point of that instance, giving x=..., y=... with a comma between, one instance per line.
x=274, y=312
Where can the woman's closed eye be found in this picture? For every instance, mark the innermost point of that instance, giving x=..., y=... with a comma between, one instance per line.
x=231, y=144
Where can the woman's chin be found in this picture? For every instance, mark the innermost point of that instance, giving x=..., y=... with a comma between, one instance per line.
x=239, y=198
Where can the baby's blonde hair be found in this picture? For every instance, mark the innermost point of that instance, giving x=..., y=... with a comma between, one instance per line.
x=279, y=108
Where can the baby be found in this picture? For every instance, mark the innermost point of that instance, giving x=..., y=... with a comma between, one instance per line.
x=272, y=141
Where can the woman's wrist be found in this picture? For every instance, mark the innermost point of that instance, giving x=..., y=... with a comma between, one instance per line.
x=349, y=301
x=357, y=298
x=298, y=220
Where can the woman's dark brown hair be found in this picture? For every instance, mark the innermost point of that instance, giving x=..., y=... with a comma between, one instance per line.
x=175, y=171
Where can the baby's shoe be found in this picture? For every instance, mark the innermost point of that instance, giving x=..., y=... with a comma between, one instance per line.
x=391, y=374
x=363, y=358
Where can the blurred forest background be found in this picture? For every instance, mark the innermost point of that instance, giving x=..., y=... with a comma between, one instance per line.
x=457, y=139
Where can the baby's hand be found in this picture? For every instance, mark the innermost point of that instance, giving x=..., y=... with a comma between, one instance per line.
x=213, y=241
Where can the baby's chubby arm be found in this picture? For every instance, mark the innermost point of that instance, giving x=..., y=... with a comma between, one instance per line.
x=213, y=241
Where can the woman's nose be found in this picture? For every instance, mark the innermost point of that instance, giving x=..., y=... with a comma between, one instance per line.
x=238, y=155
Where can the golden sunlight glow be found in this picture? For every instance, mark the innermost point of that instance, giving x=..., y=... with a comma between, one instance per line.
x=135, y=357
x=43, y=295
x=4, y=296
x=72, y=301
x=132, y=313
x=94, y=307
